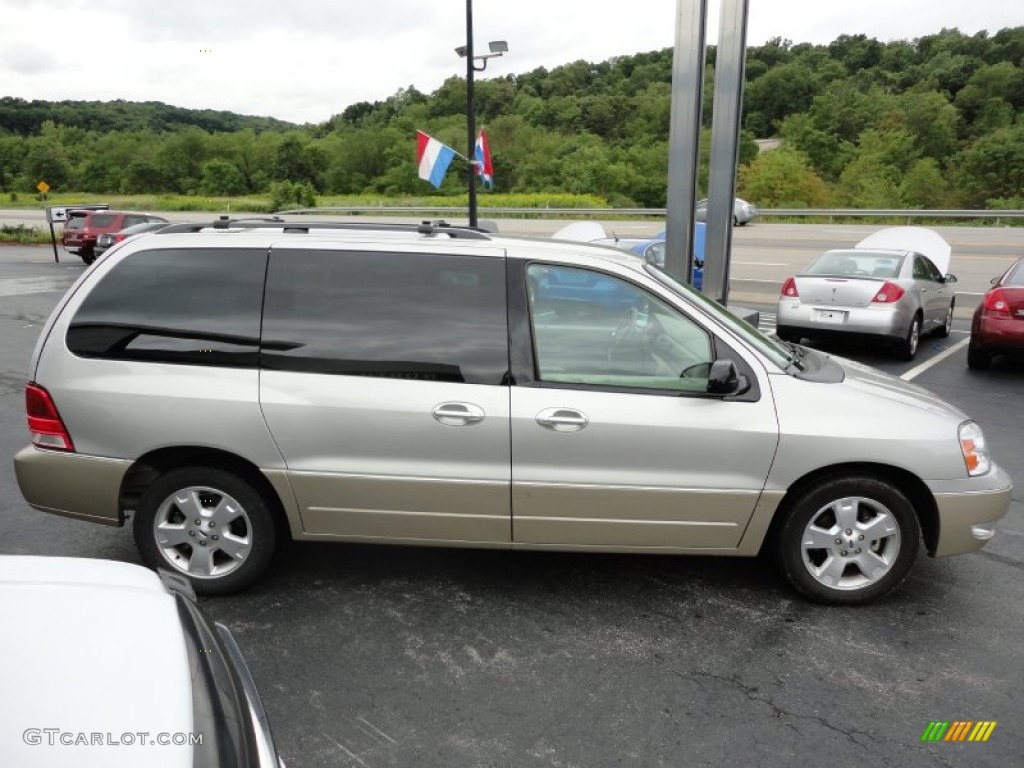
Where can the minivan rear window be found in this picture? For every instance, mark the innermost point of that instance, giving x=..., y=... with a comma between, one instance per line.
x=193, y=306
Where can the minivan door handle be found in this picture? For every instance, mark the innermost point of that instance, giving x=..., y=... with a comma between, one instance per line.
x=458, y=414
x=562, y=419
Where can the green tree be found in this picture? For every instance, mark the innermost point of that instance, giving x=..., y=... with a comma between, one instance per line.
x=221, y=178
x=783, y=178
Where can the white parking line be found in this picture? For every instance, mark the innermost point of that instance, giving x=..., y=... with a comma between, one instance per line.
x=917, y=370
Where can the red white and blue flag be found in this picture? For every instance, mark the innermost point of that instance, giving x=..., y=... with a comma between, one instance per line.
x=433, y=158
x=482, y=158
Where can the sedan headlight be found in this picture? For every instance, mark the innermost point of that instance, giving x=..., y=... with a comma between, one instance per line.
x=974, y=449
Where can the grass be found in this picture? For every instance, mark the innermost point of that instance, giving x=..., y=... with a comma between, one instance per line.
x=22, y=235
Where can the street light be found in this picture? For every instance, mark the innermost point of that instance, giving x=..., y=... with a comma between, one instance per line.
x=497, y=48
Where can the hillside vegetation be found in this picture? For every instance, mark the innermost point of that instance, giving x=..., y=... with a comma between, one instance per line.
x=929, y=123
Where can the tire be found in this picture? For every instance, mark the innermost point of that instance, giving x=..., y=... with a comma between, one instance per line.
x=87, y=256
x=907, y=348
x=216, y=501
x=978, y=359
x=785, y=333
x=943, y=330
x=843, y=515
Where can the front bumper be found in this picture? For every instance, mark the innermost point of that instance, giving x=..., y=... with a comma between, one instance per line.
x=824, y=319
x=70, y=484
x=969, y=509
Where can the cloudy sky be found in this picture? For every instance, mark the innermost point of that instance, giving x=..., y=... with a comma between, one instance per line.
x=305, y=60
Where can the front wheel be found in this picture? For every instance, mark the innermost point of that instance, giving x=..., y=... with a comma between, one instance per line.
x=907, y=348
x=848, y=541
x=208, y=524
x=947, y=324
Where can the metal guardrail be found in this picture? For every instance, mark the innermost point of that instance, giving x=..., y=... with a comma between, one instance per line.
x=829, y=213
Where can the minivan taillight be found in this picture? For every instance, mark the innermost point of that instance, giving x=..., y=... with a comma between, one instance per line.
x=888, y=294
x=44, y=422
x=789, y=288
x=995, y=303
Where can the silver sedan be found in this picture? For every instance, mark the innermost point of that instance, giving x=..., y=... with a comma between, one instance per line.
x=895, y=293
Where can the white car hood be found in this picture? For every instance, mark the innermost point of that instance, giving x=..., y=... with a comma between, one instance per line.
x=919, y=239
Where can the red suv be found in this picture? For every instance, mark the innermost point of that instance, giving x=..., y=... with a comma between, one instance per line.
x=83, y=227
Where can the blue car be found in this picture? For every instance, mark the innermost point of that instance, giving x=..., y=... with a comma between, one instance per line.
x=653, y=251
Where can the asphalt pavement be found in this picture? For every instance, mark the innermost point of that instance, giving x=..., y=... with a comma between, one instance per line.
x=399, y=656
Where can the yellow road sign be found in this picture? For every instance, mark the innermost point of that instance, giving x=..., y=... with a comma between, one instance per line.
x=43, y=187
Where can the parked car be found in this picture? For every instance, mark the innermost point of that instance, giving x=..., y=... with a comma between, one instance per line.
x=108, y=239
x=108, y=664
x=742, y=211
x=368, y=382
x=892, y=286
x=653, y=252
x=82, y=231
x=998, y=323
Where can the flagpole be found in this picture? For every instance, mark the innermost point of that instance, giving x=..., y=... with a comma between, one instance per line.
x=470, y=116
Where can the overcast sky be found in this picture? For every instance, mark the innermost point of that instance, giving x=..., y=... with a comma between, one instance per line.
x=305, y=60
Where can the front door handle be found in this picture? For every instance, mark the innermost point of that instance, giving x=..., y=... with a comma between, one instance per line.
x=562, y=419
x=458, y=414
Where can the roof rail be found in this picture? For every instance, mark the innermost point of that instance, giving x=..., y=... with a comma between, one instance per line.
x=436, y=227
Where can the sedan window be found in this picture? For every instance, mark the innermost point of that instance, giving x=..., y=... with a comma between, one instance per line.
x=595, y=329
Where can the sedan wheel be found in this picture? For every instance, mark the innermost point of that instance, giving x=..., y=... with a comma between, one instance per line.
x=907, y=349
x=849, y=541
x=977, y=358
x=947, y=326
x=207, y=524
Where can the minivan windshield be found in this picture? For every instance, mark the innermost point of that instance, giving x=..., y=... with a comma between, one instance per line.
x=774, y=350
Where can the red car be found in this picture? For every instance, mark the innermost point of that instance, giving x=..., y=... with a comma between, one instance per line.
x=998, y=325
x=82, y=228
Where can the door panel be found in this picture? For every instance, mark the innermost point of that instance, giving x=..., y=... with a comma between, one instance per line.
x=384, y=383
x=617, y=444
x=366, y=457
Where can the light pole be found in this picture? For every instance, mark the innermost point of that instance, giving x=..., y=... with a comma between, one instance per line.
x=497, y=48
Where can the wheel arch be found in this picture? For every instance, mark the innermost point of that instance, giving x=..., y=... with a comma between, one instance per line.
x=148, y=467
x=913, y=487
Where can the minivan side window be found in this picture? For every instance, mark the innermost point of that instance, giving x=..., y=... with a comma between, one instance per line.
x=419, y=316
x=594, y=329
x=191, y=306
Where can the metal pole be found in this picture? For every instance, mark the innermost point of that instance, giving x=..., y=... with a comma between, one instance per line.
x=470, y=116
x=730, y=62
x=684, y=136
x=53, y=239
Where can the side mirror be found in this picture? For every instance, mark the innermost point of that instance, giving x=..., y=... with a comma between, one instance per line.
x=724, y=379
x=950, y=279
x=994, y=281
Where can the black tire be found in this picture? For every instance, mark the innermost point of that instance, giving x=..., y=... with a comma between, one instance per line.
x=943, y=330
x=880, y=507
x=246, y=516
x=907, y=348
x=785, y=333
x=977, y=358
x=87, y=256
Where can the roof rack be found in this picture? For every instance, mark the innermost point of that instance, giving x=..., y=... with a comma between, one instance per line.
x=436, y=227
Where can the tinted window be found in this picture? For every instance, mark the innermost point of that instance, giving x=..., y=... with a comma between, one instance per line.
x=101, y=219
x=1016, y=275
x=200, y=307
x=410, y=316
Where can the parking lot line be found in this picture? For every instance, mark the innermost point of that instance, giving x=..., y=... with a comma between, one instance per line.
x=917, y=370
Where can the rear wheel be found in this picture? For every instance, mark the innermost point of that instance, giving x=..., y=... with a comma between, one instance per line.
x=848, y=541
x=946, y=326
x=208, y=524
x=87, y=256
x=785, y=333
x=907, y=349
x=977, y=358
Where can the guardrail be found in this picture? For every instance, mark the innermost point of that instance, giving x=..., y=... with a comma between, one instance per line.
x=604, y=213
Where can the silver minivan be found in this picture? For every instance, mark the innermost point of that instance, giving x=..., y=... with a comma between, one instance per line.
x=225, y=385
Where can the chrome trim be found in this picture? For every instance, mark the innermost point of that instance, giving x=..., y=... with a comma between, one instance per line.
x=266, y=751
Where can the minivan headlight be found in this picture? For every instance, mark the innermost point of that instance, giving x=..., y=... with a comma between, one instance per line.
x=974, y=449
